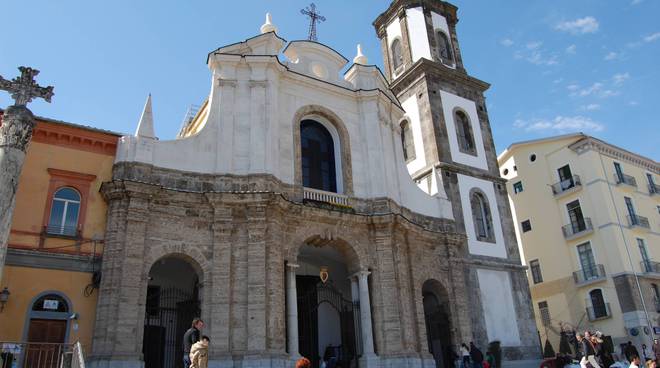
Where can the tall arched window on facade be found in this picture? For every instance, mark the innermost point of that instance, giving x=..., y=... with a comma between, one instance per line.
x=599, y=308
x=407, y=141
x=481, y=216
x=397, y=54
x=64, y=212
x=318, y=157
x=464, y=133
x=444, y=47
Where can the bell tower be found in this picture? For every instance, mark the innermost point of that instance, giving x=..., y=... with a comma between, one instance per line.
x=447, y=140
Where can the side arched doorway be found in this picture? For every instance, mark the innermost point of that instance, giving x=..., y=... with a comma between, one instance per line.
x=438, y=323
x=328, y=310
x=47, y=329
x=171, y=304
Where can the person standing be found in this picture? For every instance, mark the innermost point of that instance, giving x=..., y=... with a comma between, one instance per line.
x=588, y=352
x=634, y=361
x=477, y=356
x=465, y=355
x=303, y=363
x=630, y=351
x=190, y=338
x=199, y=353
x=656, y=349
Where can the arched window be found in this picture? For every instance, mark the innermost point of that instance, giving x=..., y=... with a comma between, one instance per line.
x=444, y=47
x=318, y=157
x=50, y=303
x=397, y=54
x=483, y=222
x=64, y=212
x=598, y=305
x=464, y=133
x=407, y=141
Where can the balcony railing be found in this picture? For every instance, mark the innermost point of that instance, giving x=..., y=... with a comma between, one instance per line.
x=599, y=312
x=325, y=197
x=565, y=185
x=638, y=221
x=577, y=228
x=41, y=355
x=654, y=188
x=625, y=179
x=649, y=266
x=589, y=274
x=61, y=230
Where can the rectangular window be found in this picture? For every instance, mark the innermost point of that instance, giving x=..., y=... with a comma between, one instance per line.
x=545, y=313
x=587, y=261
x=618, y=171
x=565, y=178
x=526, y=226
x=576, y=217
x=653, y=189
x=643, y=252
x=535, y=266
x=631, y=209
x=517, y=187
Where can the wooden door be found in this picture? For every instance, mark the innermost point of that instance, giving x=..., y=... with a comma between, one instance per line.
x=46, y=337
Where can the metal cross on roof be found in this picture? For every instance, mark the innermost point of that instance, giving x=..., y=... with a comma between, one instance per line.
x=24, y=88
x=314, y=17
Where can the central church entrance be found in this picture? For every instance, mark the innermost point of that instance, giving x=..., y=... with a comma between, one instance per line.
x=328, y=308
x=438, y=325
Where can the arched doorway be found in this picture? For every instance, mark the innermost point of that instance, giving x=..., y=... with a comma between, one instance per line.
x=47, y=329
x=171, y=304
x=328, y=311
x=438, y=323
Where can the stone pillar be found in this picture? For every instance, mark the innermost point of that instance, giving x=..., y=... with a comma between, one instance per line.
x=15, y=134
x=292, y=310
x=369, y=358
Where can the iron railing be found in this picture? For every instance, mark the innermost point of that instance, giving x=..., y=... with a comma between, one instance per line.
x=599, y=312
x=564, y=185
x=654, y=188
x=61, y=230
x=41, y=355
x=593, y=273
x=625, y=179
x=649, y=266
x=326, y=197
x=639, y=221
x=577, y=227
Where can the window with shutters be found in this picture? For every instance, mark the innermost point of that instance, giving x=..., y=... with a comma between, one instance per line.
x=481, y=216
x=544, y=311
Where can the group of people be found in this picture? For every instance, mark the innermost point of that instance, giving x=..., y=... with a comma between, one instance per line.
x=472, y=357
x=594, y=353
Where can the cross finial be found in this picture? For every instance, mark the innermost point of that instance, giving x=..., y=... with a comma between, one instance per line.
x=314, y=17
x=24, y=89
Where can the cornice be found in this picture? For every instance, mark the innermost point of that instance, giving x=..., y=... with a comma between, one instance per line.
x=446, y=9
x=425, y=67
x=75, y=138
x=591, y=143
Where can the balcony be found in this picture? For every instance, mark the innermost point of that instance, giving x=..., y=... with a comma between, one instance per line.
x=60, y=230
x=569, y=185
x=577, y=229
x=599, y=312
x=322, y=196
x=654, y=189
x=589, y=275
x=649, y=266
x=638, y=221
x=625, y=179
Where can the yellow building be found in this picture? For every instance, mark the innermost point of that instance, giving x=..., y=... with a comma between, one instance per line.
x=56, y=236
x=587, y=219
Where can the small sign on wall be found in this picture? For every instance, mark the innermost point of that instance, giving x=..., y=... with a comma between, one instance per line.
x=656, y=330
x=51, y=304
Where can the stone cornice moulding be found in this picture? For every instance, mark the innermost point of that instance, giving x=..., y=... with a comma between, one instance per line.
x=75, y=138
x=591, y=143
x=71, y=174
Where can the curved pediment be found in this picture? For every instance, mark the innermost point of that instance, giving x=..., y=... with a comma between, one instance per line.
x=315, y=59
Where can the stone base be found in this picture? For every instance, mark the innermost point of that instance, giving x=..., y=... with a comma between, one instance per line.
x=406, y=362
x=252, y=362
x=530, y=363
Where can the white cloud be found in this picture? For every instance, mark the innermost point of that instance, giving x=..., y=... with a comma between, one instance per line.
x=636, y=2
x=579, y=26
x=652, y=37
x=590, y=107
x=633, y=103
x=571, y=49
x=620, y=78
x=534, y=45
x=594, y=88
x=506, y=42
x=573, y=87
x=612, y=56
x=537, y=58
x=608, y=93
x=560, y=124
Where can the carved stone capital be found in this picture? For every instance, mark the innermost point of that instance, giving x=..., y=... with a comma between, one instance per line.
x=17, y=127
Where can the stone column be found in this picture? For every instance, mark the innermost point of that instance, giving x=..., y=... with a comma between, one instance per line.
x=292, y=310
x=368, y=354
x=15, y=134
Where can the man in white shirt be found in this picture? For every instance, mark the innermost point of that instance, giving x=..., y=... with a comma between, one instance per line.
x=634, y=361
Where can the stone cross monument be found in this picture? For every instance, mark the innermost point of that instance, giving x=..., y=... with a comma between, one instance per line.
x=15, y=134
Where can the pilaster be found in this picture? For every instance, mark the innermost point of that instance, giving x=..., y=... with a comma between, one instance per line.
x=256, y=298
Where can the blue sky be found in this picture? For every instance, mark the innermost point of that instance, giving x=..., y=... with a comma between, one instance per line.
x=555, y=66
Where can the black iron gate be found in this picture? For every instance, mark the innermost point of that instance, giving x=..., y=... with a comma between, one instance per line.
x=169, y=313
x=313, y=294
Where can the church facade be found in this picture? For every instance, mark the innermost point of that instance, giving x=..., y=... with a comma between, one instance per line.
x=285, y=213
